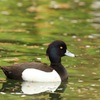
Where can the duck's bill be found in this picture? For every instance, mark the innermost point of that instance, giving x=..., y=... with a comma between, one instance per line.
x=67, y=53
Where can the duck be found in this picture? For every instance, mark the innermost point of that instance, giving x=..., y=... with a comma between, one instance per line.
x=41, y=72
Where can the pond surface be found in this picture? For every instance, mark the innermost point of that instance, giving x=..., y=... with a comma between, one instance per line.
x=26, y=29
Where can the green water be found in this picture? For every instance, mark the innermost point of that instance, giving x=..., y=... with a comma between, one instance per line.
x=26, y=29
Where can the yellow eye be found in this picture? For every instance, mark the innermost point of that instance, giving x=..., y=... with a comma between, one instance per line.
x=61, y=47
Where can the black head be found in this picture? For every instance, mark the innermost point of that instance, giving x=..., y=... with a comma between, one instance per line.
x=56, y=50
x=57, y=47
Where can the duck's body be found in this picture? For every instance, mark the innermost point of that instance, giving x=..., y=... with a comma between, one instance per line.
x=15, y=71
x=40, y=72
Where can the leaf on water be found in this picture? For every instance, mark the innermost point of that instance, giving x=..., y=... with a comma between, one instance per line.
x=80, y=81
x=32, y=9
x=55, y=5
x=79, y=90
x=94, y=73
x=81, y=4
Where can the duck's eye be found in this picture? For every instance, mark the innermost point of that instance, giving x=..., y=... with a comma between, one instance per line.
x=61, y=47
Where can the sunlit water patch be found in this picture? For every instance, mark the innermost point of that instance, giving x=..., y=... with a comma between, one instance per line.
x=96, y=13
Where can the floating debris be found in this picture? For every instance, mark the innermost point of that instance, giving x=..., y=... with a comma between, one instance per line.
x=32, y=9
x=38, y=58
x=80, y=81
x=74, y=21
x=79, y=90
x=96, y=5
x=87, y=46
x=23, y=95
x=94, y=73
x=98, y=79
x=82, y=75
x=71, y=88
x=51, y=22
x=23, y=24
x=96, y=20
x=42, y=48
x=5, y=13
x=96, y=14
x=81, y=3
x=96, y=25
x=74, y=36
x=61, y=18
x=56, y=5
x=19, y=4
x=93, y=85
x=91, y=88
x=78, y=39
x=94, y=36
x=70, y=83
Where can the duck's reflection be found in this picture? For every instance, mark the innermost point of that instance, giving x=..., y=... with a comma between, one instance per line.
x=31, y=88
x=37, y=87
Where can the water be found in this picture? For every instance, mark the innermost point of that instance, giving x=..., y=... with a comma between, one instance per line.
x=26, y=29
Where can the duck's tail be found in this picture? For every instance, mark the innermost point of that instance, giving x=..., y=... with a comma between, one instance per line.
x=0, y=67
x=4, y=69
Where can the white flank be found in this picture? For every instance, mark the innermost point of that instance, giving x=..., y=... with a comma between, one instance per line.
x=35, y=75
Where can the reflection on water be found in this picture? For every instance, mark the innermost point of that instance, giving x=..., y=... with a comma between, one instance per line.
x=30, y=88
x=96, y=13
x=36, y=88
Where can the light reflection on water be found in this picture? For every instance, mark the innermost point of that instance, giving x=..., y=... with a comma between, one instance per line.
x=96, y=14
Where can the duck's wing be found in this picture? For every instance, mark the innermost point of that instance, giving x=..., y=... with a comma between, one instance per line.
x=15, y=71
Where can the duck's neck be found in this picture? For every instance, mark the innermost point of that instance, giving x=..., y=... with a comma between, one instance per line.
x=60, y=70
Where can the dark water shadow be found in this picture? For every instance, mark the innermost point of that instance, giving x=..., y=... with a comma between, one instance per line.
x=55, y=89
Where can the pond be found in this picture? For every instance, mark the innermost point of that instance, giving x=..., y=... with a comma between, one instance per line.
x=26, y=29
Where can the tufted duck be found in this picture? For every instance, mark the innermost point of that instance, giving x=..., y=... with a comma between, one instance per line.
x=39, y=72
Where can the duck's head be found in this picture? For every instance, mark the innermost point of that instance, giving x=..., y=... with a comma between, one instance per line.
x=56, y=50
